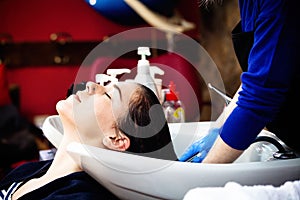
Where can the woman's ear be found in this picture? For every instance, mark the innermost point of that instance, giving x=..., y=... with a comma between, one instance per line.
x=120, y=142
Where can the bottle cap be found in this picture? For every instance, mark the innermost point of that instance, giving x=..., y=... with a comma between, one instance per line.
x=172, y=94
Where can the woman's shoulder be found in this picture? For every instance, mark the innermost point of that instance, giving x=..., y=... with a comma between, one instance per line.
x=25, y=171
x=77, y=185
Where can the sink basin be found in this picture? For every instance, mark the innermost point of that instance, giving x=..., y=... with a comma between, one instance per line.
x=137, y=177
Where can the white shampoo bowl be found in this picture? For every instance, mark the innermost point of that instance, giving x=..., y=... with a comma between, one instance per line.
x=137, y=177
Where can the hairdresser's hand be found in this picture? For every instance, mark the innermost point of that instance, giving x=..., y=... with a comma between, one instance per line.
x=200, y=148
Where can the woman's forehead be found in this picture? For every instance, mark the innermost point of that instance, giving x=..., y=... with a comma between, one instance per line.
x=126, y=86
x=124, y=90
x=121, y=96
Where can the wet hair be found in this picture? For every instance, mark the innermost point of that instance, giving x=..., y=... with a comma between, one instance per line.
x=145, y=125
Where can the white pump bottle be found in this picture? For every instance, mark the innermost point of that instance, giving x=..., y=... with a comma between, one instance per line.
x=143, y=75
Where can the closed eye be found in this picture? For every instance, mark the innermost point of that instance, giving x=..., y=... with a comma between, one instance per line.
x=107, y=95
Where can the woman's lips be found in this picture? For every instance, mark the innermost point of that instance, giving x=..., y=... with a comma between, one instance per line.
x=77, y=97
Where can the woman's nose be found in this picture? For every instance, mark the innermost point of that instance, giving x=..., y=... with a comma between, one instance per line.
x=92, y=87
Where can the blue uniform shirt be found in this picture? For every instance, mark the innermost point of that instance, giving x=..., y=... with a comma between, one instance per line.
x=272, y=64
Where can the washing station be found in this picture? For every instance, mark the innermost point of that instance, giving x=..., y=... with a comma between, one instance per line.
x=137, y=177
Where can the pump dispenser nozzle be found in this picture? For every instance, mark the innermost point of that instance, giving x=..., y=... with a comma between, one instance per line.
x=143, y=63
x=115, y=72
x=111, y=75
x=144, y=51
x=103, y=78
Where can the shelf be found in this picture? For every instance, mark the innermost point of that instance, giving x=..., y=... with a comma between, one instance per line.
x=39, y=54
x=45, y=53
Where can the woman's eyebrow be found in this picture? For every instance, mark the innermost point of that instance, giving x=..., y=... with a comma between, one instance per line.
x=119, y=90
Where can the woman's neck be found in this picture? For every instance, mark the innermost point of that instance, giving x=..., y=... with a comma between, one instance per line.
x=63, y=163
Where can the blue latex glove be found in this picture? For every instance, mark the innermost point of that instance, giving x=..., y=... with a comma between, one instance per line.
x=199, y=149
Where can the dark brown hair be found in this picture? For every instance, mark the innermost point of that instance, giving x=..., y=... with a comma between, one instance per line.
x=146, y=126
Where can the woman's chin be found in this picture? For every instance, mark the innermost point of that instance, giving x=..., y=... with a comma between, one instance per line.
x=63, y=107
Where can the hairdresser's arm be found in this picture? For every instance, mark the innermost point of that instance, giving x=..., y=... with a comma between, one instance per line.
x=201, y=147
x=221, y=152
x=227, y=110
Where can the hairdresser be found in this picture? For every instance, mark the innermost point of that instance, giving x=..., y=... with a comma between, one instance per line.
x=266, y=42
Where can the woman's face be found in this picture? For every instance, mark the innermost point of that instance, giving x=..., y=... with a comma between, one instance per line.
x=93, y=111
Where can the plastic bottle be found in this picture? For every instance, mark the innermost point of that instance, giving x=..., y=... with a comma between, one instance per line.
x=173, y=107
x=143, y=75
x=158, y=82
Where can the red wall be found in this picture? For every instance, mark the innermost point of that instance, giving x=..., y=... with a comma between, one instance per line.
x=35, y=20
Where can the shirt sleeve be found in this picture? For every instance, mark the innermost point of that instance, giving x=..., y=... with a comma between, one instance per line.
x=271, y=63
